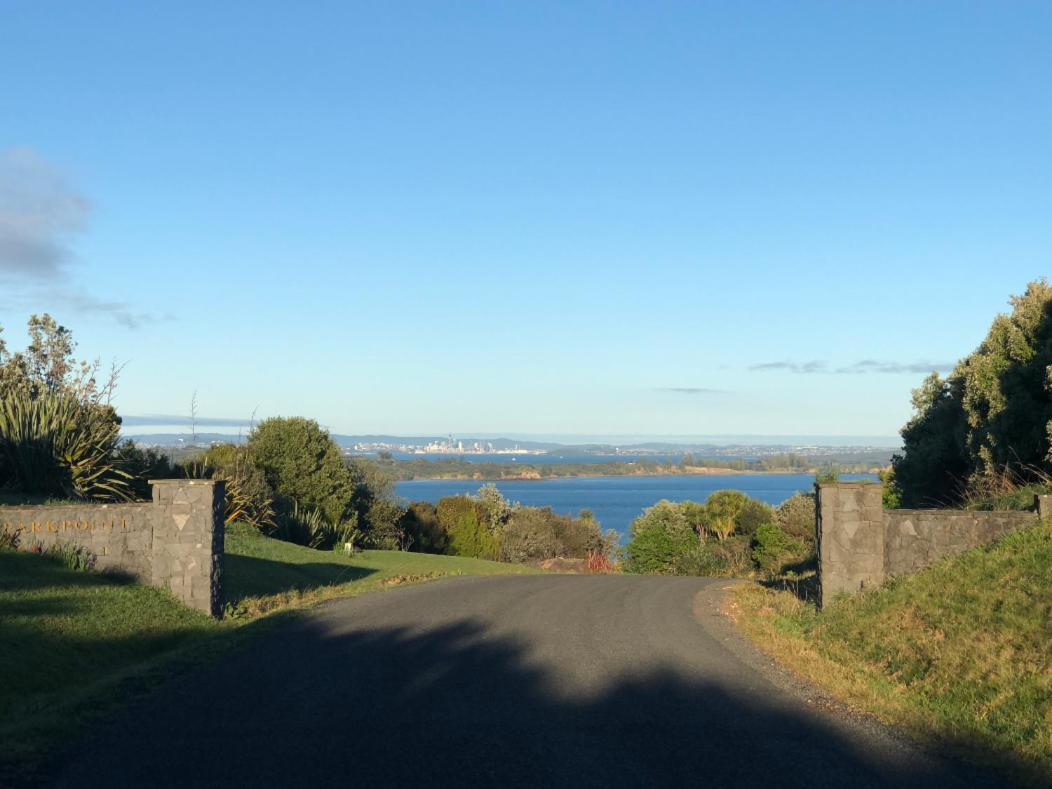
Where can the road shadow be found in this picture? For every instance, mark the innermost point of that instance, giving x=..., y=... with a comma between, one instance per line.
x=456, y=706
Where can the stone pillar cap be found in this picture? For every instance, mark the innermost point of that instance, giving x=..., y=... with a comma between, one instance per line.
x=184, y=481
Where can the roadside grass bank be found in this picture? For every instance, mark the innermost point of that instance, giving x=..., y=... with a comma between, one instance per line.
x=959, y=655
x=75, y=645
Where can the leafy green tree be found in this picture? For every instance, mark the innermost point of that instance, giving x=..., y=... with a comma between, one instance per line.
x=721, y=509
x=992, y=415
x=303, y=465
x=935, y=461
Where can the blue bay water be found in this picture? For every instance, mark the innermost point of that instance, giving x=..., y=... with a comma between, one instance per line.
x=617, y=501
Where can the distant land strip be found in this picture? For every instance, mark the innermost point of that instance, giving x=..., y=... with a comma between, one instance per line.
x=458, y=468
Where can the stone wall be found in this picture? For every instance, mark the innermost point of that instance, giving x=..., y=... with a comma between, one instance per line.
x=860, y=544
x=175, y=541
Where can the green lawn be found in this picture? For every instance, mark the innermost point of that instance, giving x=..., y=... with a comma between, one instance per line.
x=75, y=644
x=262, y=573
x=960, y=654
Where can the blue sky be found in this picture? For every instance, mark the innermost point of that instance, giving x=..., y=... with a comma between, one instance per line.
x=525, y=218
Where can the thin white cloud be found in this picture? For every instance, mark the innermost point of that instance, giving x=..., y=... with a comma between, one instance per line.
x=691, y=390
x=863, y=367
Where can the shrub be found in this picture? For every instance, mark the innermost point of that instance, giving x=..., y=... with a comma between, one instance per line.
x=53, y=444
x=599, y=562
x=576, y=537
x=142, y=465
x=827, y=474
x=772, y=547
x=310, y=527
x=383, y=525
x=700, y=560
x=658, y=536
x=469, y=535
x=494, y=509
x=530, y=534
x=796, y=516
x=423, y=532
x=752, y=515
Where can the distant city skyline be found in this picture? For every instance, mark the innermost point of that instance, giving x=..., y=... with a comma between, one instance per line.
x=525, y=218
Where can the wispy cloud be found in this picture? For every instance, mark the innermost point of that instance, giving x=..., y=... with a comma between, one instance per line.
x=895, y=368
x=691, y=390
x=41, y=216
x=175, y=419
x=861, y=367
x=804, y=368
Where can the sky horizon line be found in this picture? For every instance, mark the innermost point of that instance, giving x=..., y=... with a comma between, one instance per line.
x=183, y=425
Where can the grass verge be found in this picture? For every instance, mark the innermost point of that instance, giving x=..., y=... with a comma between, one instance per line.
x=959, y=655
x=75, y=645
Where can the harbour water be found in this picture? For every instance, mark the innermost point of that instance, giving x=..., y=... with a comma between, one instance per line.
x=616, y=501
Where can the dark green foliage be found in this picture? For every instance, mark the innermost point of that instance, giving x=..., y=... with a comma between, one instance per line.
x=772, y=548
x=310, y=527
x=991, y=415
x=421, y=528
x=890, y=494
x=143, y=465
x=463, y=520
x=54, y=444
x=303, y=466
x=752, y=516
x=373, y=498
x=935, y=461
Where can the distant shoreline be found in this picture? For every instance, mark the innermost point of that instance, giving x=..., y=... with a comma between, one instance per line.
x=695, y=471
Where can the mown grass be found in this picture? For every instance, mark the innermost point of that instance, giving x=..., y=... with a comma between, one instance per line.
x=74, y=645
x=960, y=654
x=263, y=574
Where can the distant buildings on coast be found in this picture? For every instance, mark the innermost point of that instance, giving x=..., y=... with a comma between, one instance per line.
x=445, y=446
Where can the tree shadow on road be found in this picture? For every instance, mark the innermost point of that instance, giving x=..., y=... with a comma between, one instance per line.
x=457, y=706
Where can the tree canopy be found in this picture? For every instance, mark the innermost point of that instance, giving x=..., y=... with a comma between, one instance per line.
x=991, y=416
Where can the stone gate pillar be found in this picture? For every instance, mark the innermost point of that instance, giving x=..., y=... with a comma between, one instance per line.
x=849, y=530
x=188, y=546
